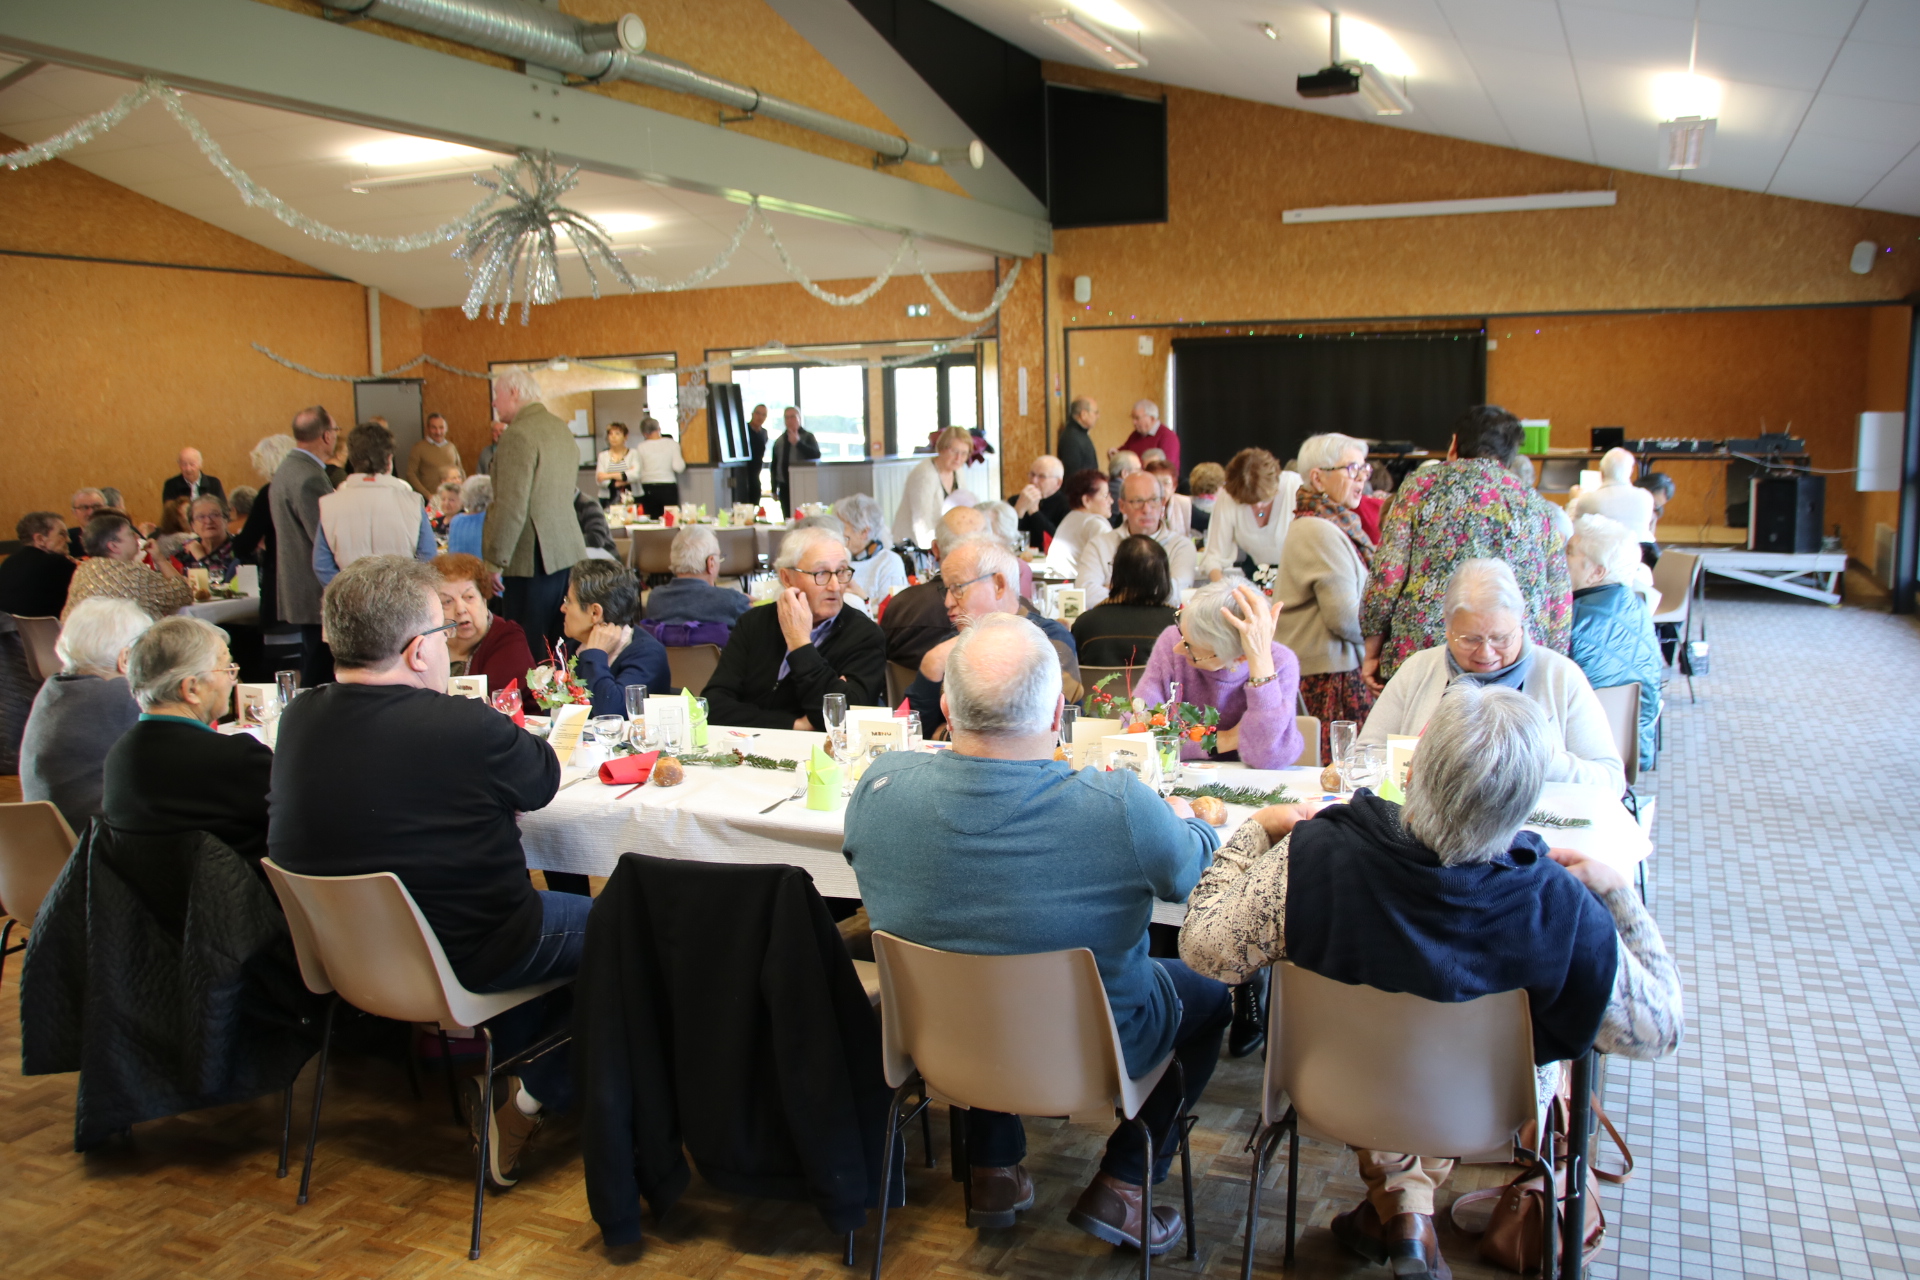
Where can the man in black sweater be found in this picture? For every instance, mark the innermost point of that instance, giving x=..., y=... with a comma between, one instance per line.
x=381, y=771
x=784, y=657
x=33, y=581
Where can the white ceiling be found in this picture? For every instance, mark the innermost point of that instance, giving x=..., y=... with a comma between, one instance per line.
x=1821, y=98
x=306, y=162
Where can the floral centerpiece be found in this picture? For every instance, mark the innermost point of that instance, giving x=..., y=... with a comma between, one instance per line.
x=1182, y=719
x=556, y=683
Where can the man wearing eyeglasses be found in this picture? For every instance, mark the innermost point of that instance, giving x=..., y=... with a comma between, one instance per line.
x=785, y=656
x=1142, y=510
x=87, y=503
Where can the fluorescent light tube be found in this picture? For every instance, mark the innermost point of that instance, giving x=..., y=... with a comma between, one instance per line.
x=1095, y=41
x=1442, y=208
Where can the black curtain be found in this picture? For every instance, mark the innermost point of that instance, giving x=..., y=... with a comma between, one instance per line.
x=1273, y=392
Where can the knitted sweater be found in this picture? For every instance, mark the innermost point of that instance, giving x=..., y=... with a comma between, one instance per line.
x=1269, y=737
x=1319, y=588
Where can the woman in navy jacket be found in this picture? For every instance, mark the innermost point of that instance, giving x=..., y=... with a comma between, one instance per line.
x=603, y=597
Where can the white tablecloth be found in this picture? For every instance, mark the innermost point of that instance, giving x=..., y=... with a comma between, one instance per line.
x=243, y=610
x=714, y=816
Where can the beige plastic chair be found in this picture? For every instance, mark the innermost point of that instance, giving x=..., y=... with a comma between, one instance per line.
x=1309, y=727
x=1090, y=676
x=692, y=665
x=650, y=549
x=1028, y=1035
x=899, y=676
x=1675, y=578
x=35, y=843
x=363, y=939
x=37, y=637
x=1621, y=702
x=1391, y=1072
x=739, y=552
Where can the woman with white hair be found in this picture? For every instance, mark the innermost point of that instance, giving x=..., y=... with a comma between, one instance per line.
x=1617, y=498
x=1004, y=523
x=1485, y=617
x=1323, y=574
x=1223, y=655
x=1613, y=639
x=878, y=571
x=82, y=711
x=254, y=544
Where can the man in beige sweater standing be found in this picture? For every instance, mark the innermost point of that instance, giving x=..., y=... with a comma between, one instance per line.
x=428, y=462
x=532, y=540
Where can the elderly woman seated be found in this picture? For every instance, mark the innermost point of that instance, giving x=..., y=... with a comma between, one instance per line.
x=112, y=568
x=481, y=644
x=1487, y=644
x=1223, y=654
x=603, y=598
x=463, y=531
x=1448, y=899
x=1613, y=638
x=81, y=712
x=878, y=570
x=211, y=546
x=785, y=656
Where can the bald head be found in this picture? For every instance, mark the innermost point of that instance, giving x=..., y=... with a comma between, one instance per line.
x=190, y=465
x=957, y=526
x=1045, y=474
x=1002, y=681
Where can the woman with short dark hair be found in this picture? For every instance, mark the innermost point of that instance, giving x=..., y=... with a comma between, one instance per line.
x=603, y=597
x=1120, y=630
x=1089, y=508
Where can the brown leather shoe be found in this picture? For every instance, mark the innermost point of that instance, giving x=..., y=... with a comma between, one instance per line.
x=1359, y=1229
x=1413, y=1250
x=1110, y=1210
x=994, y=1195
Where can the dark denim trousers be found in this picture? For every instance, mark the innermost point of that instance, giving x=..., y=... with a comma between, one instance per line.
x=995, y=1139
x=555, y=954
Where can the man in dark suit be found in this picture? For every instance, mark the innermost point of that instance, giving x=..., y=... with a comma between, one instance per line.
x=192, y=481
x=33, y=581
x=795, y=444
x=294, y=499
x=532, y=537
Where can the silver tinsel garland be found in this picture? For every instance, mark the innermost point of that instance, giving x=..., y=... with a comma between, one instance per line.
x=518, y=247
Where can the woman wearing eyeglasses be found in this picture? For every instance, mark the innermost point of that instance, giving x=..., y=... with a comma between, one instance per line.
x=1323, y=574
x=603, y=597
x=1487, y=644
x=1251, y=514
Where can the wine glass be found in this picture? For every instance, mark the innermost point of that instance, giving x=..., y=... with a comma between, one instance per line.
x=1069, y=716
x=833, y=714
x=1340, y=736
x=637, y=714
x=505, y=701
x=609, y=731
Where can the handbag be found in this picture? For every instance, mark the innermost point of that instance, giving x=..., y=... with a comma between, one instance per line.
x=1511, y=1238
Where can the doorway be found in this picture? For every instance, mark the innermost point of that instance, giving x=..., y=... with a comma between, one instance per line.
x=398, y=401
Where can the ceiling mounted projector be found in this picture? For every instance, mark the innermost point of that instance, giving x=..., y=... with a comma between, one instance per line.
x=1342, y=78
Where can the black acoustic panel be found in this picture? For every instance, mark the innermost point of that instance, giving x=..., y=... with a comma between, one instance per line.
x=1106, y=158
x=1273, y=392
x=993, y=86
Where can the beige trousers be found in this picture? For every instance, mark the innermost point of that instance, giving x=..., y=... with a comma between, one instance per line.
x=1399, y=1183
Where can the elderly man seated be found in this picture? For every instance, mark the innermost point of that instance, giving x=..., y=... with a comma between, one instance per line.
x=463, y=531
x=695, y=594
x=1448, y=899
x=34, y=579
x=785, y=656
x=602, y=597
x=996, y=848
x=81, y=712
x=1142, y=510
x=981, y=578
x=1487, y=644
x=916, y=618
x=381, y=771
x=1613, y=638
x=113, y=548
x=172, y=772
x=1040, y=504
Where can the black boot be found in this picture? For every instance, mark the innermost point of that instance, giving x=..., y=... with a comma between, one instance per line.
x=1249, y=1029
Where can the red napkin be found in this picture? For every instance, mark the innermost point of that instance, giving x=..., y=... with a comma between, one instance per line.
x=905, y=707
x=628, y=770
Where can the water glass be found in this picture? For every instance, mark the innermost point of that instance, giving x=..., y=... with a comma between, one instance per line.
x=913, y=730
x=1366, y=765
x=637, y=714
x=608, y=731
x=672, y=729
x=1069, y=714
x=289, y=684
x=1340, y=738
x=833, y=714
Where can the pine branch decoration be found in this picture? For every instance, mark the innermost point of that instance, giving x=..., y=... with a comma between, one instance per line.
x=1252, y=797
x=1542, y=818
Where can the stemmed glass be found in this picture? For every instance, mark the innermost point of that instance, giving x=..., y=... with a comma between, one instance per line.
x=289, y=684
x=833, y=714
x=637, y=716
x=1340, y=736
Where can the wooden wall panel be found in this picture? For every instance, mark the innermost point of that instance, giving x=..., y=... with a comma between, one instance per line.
x=1023, y=437
x=1106, y=364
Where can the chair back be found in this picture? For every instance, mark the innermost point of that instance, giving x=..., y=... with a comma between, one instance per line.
x=35, y=843
x=691, y=666
x=306, y=949
x=899, y=676
x=1102, y=650
x=1393, y=1072
x=650, y=549
x=1621, y=702
x=1309, y=727
x=739, y=552
x=37, y=637
x=1673, y=578
x=1028, y=1035
x=1090, y=676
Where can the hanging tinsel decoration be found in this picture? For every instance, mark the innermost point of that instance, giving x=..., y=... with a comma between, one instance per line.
x=516, y=248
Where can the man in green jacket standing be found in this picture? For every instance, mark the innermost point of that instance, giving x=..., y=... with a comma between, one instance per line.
x=531, y=539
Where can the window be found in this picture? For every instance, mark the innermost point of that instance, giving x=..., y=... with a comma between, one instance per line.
x=833, y=405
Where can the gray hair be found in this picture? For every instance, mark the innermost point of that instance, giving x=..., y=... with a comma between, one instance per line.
x=1607, y=543
x=1201, y=616
x=1149, y=406
x=269, y=453
x=1616, y=464
x=522, y=384
x=375, y=608
x=795, y=546
x=1478, y=773
x=1323, y=452
x=241, y=499
x=169, y=652
x=989, y=555
x=693, y=545
x=97, y=632
x=1483, y=586
x=476, y=493
x=1003, y=678
x=1002, y=520
x=111, y=496
x=861, y=513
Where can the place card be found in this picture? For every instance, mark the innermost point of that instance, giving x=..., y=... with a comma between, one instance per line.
x=888, y=734
x=255, y=704
x=1069, y=603
x=1134, y=751
x=468, y=687
x=1088, y=746
x=202, y=583
x=568, y=723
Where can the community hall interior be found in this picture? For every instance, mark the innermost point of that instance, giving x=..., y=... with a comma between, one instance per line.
x=947, y=340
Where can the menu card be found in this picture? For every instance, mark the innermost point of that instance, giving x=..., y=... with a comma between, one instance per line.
x=255, y=704
x=1089, y=741
x=1136, y=751
x=468, y=687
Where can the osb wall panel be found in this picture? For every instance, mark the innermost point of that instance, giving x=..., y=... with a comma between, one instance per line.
x=1711, y=375
x=740, y=40
x=1022, y=346
x=1106, y=364
x=112, y=368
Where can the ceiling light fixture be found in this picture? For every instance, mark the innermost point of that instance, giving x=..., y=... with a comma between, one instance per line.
x=1342, y=78
x=432, y=178
x=1687, y=106
x=1091, y=39
x=1266, y=29
x=390, y=152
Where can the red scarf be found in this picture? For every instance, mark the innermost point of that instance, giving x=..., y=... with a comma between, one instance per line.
x=1312, y=502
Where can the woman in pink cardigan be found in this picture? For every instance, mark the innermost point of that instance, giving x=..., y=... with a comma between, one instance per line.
x=1223, y=654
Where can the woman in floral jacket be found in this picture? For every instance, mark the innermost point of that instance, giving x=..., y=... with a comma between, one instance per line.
x=1469, y=508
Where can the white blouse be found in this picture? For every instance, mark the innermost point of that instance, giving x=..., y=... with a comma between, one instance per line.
x=628, y=466
x=1063, y=553
x=922, y=504
x=1233, y=529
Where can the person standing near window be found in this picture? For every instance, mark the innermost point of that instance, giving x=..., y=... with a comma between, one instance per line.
x=659, y=468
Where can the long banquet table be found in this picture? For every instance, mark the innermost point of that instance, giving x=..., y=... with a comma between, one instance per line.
x=715, y=816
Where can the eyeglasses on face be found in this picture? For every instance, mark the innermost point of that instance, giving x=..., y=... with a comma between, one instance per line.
x=1155, y=501
x=959, y=589
x=1475, y=643
x=231, y=670
x=1354, y=469
x=442, y=629
x=843, y=575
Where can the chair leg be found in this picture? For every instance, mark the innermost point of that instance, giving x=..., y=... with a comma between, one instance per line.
x=957, y=1139
x=6, y=931
x=1146, y=1201
x=1262, y=1147
x=319, y=1093
x=446, y=1066
x=886, y=1184
x=485, y=1121
x=1184, y=1123
x=286, y=1126
x=1293, y=1182
x=926, y=1126
x=413, y=1060
x=849, y=1256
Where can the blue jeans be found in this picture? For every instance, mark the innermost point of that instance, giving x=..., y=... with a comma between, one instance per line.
x=555, y=954
x=995, y=1140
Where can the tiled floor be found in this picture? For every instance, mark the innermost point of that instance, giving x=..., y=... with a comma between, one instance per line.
x=1782, y=1139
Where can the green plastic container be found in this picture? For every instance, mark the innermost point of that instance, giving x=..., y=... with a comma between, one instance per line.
x=1537, y=439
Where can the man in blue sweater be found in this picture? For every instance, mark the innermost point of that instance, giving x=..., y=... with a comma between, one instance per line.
x=996, y=848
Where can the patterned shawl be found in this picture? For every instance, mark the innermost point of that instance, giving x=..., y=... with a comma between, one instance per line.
x=1312, y=502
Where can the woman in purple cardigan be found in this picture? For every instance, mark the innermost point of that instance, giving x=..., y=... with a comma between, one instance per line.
x=1224, y=655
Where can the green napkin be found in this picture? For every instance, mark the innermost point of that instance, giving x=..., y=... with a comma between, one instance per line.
x=823, y=781
x=1390, y=790
x=696, y=719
